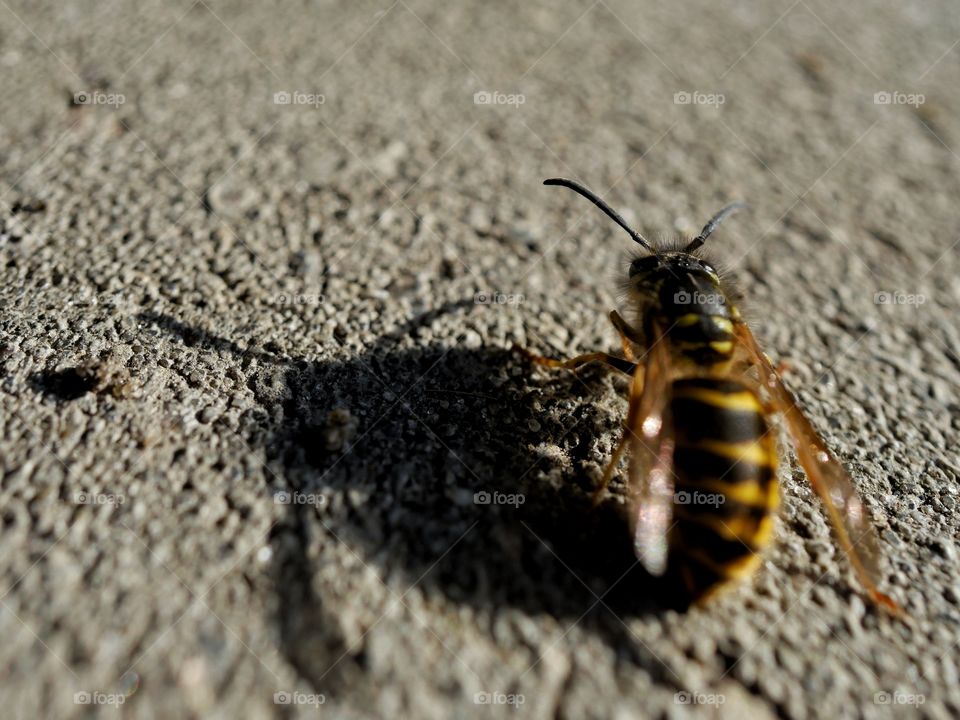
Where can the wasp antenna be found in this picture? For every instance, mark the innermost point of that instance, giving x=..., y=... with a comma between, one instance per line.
x=599, y=202
x=712, y=225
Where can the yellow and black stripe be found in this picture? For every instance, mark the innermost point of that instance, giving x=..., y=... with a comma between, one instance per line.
x=706, y=339
x=726, y=486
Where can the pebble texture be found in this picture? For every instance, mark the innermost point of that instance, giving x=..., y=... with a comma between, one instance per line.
x=261, y=269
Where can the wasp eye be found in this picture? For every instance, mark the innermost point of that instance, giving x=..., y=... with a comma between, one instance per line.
x=643, y=265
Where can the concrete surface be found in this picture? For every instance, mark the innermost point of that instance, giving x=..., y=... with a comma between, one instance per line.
x=211, y=299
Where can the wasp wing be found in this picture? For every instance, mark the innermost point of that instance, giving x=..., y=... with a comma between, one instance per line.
x=649, y=435
x=830, y=480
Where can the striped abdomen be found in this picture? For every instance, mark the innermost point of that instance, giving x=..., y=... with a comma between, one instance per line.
x=726, y=486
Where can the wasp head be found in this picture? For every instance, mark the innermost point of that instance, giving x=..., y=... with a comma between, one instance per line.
x=653, y=270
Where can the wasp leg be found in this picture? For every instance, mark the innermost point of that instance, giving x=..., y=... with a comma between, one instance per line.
x=624, y=366
x=628, y=336
x=610, y=469
x=636, y=393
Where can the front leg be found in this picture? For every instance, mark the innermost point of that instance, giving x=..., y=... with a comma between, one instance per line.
x=628, y=335
x=628, y=338
x=575, y=363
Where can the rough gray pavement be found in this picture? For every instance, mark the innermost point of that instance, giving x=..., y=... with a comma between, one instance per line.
x=249, y=389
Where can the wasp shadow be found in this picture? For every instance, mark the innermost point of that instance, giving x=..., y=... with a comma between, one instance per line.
x=461, y=468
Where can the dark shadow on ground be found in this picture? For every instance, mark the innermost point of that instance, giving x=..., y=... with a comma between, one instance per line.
x=63, y=385
x=417, y=433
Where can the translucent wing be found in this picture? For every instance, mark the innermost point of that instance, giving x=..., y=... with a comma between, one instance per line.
x=650, y=443
x=830, y=480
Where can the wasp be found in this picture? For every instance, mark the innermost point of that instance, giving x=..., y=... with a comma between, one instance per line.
x=702, y=486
